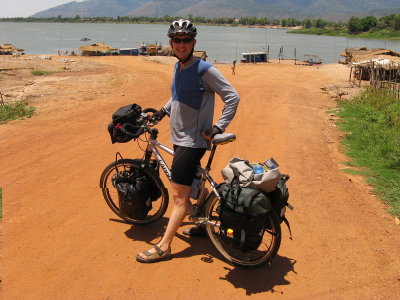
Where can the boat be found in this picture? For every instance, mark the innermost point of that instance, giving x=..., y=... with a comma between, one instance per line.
x=85, y=39
x=311, y=59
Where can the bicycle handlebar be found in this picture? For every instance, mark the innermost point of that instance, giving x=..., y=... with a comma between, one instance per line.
x=146, y=121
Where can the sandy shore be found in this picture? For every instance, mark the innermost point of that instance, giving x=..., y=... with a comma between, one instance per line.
x=61, y=241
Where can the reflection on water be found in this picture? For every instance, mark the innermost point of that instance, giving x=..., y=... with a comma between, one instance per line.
x=223, y=44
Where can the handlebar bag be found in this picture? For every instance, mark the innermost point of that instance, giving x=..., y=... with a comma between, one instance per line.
x=129, y=116
x=265, y=182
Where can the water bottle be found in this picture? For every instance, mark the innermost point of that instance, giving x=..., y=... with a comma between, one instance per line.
x=258, y=169
x=271, y=164
x=194, y=193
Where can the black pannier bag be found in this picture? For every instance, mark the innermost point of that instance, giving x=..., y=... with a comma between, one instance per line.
x=245, y=211
x=280, y=198
x=125, y=124
x=136, y=192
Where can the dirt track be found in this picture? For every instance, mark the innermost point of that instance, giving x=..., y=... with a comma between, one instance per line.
x=60, y=240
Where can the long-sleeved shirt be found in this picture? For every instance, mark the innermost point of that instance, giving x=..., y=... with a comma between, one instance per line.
x=191, y=106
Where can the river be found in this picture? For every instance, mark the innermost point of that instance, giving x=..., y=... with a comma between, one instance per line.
x=222, y=44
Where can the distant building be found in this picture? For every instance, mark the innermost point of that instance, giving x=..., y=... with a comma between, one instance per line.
x=97, y=50
x=254, y=57
x=129, y=51
x=9, y=49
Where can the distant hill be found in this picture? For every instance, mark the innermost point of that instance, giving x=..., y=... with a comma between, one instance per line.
x=329, y=9
x=92, y=8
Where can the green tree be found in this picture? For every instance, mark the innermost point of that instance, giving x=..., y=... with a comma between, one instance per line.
x=290, y=22
x=386, y=21
x=354, y=26
x=368, y=22
x=319, y=23
x=307, y=23
x=396, y=22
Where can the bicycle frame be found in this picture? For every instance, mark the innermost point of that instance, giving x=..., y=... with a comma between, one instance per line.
x=152, y=148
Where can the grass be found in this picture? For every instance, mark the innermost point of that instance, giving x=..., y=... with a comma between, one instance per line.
x=14, y=111
x=372, y=125
x=372, y=34
x=40, y=73
x=321, y=31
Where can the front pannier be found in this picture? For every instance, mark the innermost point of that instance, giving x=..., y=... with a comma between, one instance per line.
x=136, y=192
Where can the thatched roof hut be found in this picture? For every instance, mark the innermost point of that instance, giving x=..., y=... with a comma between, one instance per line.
x=8, y=49
x=358, y=55
x=373, y=64
x=97, y=49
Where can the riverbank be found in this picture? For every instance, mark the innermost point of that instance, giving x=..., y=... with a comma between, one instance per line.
x=383, y=34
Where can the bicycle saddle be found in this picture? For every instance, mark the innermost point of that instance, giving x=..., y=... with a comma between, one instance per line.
x=223, y=138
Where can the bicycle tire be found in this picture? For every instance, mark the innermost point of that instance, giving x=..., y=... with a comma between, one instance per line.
x=251, y=259
x=110, y=193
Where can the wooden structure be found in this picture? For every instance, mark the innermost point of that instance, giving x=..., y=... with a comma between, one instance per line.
x=356, y=55
x=165, y=51
x=200, y=54
x=381, y=73
x=1, y=99
x=9, y=49
x=97, y=50
x=372, y=64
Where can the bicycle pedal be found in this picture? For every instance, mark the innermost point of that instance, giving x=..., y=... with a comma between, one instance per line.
x=201, y=221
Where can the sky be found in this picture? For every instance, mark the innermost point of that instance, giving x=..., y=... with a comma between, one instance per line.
x=26, y=8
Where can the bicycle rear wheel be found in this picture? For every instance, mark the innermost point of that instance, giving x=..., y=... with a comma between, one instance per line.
x=265, y=253
x=110, y=193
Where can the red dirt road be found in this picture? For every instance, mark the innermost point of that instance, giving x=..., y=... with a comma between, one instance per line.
x=61, y=241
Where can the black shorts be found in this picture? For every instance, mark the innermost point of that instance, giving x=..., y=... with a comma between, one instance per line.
x=184, y=164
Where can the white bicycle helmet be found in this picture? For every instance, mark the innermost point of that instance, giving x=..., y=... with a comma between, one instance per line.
x=182, y=27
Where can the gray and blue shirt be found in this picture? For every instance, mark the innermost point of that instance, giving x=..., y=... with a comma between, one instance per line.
x=191, y=106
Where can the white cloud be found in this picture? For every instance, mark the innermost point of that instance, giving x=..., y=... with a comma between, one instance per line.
x=26, y=8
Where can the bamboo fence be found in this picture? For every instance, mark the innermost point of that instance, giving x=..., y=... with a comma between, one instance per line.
x=383, y=77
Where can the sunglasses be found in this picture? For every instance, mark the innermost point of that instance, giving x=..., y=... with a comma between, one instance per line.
x=185, y=40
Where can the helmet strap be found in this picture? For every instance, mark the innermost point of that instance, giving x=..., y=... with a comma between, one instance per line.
x=188, y=58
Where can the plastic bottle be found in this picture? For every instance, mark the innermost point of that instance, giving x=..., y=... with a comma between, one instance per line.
x=229, y=232
x=194, y=194
x=258, y=169
x=271, y=164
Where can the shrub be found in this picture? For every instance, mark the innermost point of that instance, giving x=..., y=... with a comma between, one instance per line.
x=40, y=72
x=17, y=110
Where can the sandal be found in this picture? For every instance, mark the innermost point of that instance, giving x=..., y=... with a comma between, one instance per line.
x=195, y=231
x=152, y=257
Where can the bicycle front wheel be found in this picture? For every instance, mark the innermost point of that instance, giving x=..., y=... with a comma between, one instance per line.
x=266, y=251
x=110, y=193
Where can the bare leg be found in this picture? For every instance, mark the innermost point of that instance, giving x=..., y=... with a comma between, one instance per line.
x=180, y=195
